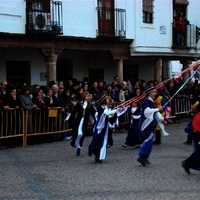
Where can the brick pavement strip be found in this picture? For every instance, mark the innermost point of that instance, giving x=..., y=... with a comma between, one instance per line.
x=53, y=172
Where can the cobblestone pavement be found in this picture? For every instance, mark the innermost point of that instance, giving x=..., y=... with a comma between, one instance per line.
x=53, y=172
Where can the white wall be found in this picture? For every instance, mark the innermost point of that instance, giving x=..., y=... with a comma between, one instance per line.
x=148, y=35
x=176, y=67
x=80, y=18
x=193, y=14
x=12, y=16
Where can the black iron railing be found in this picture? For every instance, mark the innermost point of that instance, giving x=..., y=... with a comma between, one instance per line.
x=44, y=16
x=187, y=38
x=111, y=22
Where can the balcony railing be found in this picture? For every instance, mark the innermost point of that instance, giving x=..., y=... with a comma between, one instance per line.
x=44, y=17
x=111, y=22
x=187, y=38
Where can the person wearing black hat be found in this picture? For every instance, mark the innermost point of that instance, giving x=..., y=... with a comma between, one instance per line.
x=99, y=142
x=79, y=119
x=147, y=124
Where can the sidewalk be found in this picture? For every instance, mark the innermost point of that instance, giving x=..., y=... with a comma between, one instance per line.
x=53, y=172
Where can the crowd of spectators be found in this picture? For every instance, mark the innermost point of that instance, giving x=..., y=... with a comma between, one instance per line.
x=60, y=94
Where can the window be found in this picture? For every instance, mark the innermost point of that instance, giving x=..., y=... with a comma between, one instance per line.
x=130, y=72
x=38, y=5
x=147, y=9
x=18, y=72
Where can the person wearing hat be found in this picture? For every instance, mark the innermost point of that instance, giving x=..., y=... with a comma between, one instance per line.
x=134, y=112
x=150, y=116
x=79, y=119
x=99, y=142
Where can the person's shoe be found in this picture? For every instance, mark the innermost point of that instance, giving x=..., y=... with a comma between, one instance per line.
x=137, y=146
x=187, y=143
x=108, y=146
x=97, y=160
x=67, y=138
x=124, y=145
x=156, y=143
x=142, y=161
x=147, y=162
x=186, y=168
x=89, y=153
x=78, y=152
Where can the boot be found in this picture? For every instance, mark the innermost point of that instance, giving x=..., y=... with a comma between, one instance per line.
x=189, y=140
x=157, y=137
x=142, y=160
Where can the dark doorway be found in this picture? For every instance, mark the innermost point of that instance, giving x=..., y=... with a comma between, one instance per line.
x=96, y=74
x=130, y=72
x=64, y=69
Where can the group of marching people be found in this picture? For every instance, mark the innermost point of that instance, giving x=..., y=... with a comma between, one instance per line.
x=145, y=115
x=104, y=120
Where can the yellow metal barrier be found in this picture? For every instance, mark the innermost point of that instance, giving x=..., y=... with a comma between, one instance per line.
x=12, y=123
x=47, y=121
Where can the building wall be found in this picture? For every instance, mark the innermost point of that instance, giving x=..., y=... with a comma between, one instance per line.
x=149, y=38
x=12, y=16
x=80, y=18
x=37, y=62
x=81, y=63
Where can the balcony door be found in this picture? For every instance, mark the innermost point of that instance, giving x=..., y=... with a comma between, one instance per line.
x=106, y=18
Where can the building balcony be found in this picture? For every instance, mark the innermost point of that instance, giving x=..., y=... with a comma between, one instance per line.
x=44, y=17
x=111, y=22
x=187, y=38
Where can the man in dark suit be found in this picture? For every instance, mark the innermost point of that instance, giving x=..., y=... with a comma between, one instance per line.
x=58, y=101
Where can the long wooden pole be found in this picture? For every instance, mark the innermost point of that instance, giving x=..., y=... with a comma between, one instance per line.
x=160, y=85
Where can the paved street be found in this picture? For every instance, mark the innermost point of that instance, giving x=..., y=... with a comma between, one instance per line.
x=53, y=172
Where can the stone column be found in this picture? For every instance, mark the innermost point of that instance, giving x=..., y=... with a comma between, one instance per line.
x=51, y=67
x=120, y=69
x=185, y=64
x=158, y=70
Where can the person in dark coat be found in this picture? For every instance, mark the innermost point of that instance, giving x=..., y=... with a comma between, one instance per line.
x=99, y=142
x=193, y=161
x=150, y=116
x=11, y=100
x=132, y=138
x=79, y=120
x=27, y=104
x=12, y=117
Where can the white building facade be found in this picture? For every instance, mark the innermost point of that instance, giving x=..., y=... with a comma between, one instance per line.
x=43, y=40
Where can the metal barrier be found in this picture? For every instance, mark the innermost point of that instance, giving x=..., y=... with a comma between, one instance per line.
x=180, y=105
x=47, y=121
x=124, y=119
x=12, y=123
